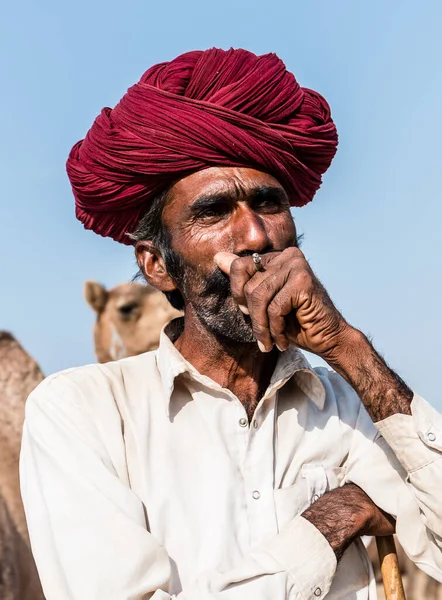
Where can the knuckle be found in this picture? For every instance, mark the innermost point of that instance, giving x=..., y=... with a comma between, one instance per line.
x=274, y=310
x=277, y=334
x=257, y=296
x=294, y=252
x=268, y=285
x=303, y=279
x=237, y=266
x=248, y=289
x=259, y=330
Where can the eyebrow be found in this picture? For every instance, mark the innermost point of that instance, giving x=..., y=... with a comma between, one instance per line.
x=268, y=190
x=257, y=193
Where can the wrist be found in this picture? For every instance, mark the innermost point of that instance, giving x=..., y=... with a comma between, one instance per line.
x=380, y=389
x=339, y=517
x=349, y=351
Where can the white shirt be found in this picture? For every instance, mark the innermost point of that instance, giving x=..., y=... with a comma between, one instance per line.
x=142, y=479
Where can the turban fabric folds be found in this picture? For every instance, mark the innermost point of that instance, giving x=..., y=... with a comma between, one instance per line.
x=202, y=109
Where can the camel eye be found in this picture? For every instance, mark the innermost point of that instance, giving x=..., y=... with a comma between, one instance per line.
x=127, y=309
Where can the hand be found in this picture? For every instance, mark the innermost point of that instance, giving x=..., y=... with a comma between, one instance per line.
x=286, y=302
x=289, y=305
x=346, y=513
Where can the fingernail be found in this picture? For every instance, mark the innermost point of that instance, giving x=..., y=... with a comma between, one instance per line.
x=243, y=309
x=262, y=347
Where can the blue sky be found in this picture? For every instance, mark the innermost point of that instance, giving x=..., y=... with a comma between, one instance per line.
x=373, y=233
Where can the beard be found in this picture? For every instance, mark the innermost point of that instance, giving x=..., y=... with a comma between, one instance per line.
x=216, y=308
x=210, y=297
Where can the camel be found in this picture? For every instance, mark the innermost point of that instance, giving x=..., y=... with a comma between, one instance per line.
x=19, y=375
x=129, y=320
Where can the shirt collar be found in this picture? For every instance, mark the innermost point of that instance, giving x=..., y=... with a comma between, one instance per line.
x=291, y=363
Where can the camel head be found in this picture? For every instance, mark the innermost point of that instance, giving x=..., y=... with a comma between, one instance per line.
x=130, y=317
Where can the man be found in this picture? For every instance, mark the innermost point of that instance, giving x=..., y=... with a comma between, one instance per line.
x=222, y=465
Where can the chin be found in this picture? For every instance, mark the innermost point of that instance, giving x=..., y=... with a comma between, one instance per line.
x=227, y=323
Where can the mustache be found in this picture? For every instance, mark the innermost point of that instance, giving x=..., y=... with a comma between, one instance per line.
x=217, y=284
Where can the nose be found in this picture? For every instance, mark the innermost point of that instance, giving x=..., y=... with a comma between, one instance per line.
x=249, y=231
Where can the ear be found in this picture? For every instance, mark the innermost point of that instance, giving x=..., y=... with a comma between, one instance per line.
x=152, y=266
x=96, y=295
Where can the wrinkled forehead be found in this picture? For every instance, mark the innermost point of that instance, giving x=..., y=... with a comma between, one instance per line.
x=236, y=181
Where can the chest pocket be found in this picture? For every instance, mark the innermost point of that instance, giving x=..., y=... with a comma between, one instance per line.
x=314, y=481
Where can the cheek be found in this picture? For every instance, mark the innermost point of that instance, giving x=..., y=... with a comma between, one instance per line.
x=199, y=245
x=281, y=231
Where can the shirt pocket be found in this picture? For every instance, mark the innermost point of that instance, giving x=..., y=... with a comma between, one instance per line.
x=315, y=480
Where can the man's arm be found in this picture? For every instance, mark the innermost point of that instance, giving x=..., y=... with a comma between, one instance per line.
x=288, y=305
x=381, y=390
x=411, y=494
x=346, y=513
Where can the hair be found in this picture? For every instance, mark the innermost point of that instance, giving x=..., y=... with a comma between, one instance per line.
x=152, y=228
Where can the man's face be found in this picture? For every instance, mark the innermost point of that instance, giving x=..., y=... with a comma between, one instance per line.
x=227, y=209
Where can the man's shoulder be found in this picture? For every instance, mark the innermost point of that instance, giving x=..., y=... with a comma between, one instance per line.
x=340, y=397
x=96, y=380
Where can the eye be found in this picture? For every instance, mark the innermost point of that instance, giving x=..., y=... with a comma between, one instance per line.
x=213, y=212
x=269, y=203
x=127, y=309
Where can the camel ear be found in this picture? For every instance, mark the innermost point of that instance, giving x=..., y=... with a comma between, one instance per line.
x=96, y=295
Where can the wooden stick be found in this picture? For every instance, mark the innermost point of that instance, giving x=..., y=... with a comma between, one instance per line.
x=391, y=575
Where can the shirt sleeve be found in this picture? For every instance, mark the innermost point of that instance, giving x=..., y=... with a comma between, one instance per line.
x=416, y=440
x=89, y=532
x=397, y=463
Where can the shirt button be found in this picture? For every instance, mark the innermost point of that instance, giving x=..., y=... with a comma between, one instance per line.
x=255, y=424
x=315, y=497
x=317, y=592
x=256, y=495
x=431, y=437
x=243, y=422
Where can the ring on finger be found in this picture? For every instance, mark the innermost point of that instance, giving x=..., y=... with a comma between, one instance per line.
x=257, y=261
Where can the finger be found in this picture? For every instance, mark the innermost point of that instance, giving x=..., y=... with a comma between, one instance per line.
x=239, y=272
x=258, y=302
x=244, y=276
x=243, y=272
x=224, y=261
x=279, y=308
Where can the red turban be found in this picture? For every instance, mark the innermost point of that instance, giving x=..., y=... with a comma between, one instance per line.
x=202, y=109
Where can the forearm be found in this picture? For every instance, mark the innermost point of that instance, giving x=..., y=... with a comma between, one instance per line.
x=346, y=513
x=334, y=515
x=380, y=389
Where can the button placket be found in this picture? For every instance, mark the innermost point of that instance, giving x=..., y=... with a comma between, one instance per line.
x=259, y=475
